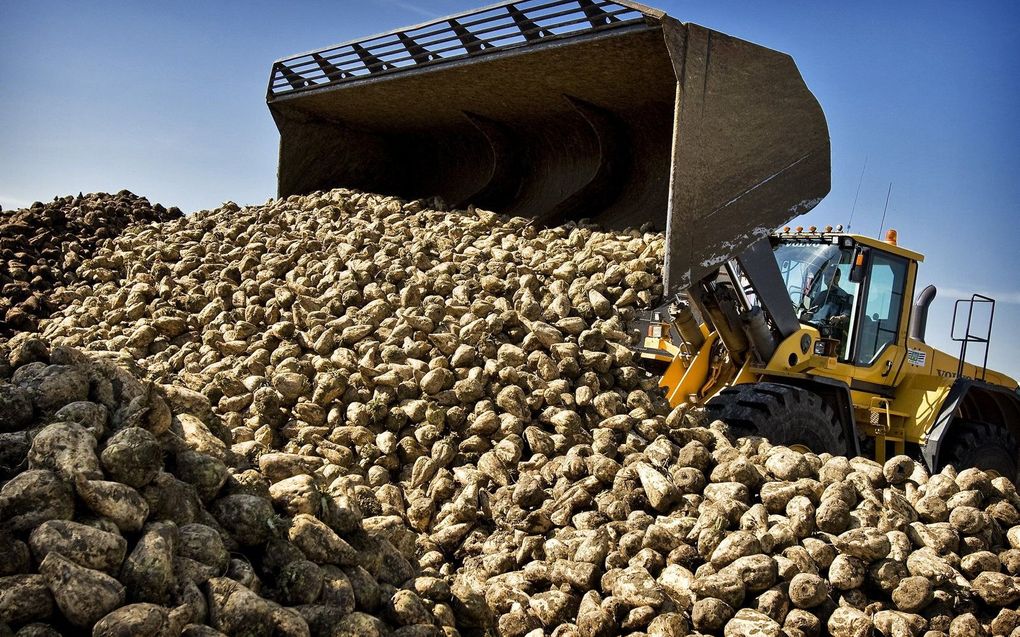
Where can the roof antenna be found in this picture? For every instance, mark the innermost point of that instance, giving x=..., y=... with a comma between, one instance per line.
x=882, y=227
x=854, y=207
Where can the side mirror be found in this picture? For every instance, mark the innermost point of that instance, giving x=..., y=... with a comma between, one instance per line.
x=860, y=265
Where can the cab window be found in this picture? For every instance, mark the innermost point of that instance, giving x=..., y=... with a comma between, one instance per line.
x=817, y=278
x=882, y=306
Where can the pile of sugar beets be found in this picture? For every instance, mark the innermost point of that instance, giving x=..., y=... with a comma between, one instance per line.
x=41, y=246
x=124, y=513
x=360, y=415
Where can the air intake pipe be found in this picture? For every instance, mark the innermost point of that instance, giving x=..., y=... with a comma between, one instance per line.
x=919, y=319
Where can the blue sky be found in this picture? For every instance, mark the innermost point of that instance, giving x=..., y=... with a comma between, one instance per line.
x=168, y=100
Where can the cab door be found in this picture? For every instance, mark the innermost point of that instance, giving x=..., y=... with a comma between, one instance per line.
x=879, y=343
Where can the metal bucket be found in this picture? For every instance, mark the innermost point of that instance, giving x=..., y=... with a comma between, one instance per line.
x=560, y=110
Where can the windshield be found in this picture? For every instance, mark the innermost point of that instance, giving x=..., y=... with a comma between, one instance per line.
x=817, y=278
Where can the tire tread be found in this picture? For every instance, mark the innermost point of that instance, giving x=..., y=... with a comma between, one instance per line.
x=781, y=413
x=973, y=434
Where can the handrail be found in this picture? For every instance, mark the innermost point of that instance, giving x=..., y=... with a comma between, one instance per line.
x=972, y=338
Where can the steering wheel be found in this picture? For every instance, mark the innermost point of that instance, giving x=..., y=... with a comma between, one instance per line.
x=805, y=309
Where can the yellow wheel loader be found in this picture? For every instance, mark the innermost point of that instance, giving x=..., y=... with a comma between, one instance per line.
x=616, y=112
x=849, y=371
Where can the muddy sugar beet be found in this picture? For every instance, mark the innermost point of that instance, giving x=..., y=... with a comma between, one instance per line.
x=115, y=519
x=417, y=421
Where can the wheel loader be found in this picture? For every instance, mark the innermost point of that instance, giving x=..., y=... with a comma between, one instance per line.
x=615, y=112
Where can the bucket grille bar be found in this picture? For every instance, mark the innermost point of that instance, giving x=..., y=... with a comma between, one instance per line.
x=499, y=27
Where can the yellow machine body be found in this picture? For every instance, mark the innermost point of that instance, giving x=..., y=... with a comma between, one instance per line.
x=896, y=398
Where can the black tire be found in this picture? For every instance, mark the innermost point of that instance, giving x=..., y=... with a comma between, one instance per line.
x=782, y=414
x=987, y=446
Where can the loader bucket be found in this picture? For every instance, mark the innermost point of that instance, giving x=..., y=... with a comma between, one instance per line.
x=564, y=109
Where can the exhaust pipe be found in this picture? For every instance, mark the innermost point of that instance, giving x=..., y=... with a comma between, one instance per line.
x=919, y=319
x=560, y=110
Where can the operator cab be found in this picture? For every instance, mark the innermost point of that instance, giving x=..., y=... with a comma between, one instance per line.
x=848, y=287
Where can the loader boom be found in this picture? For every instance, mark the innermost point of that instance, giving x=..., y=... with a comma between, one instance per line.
x=564, y=109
